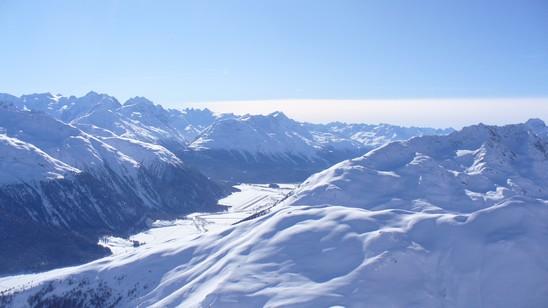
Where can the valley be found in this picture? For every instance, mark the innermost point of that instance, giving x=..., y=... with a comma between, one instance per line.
x=249, y=200
x=132, y=205
x=276, y=154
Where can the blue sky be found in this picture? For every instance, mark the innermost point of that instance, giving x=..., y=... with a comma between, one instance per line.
x=178, y=52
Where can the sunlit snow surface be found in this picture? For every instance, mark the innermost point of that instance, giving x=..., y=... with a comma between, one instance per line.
x=164, y=236
x=321, y=256
x=251, y=199
x=456, y=221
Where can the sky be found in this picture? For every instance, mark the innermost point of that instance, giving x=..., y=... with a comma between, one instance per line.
x=438, y=62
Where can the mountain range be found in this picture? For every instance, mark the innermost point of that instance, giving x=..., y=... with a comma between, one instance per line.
x=248, y=148
x=57, y=180
x=434, y=221
x=76, y=168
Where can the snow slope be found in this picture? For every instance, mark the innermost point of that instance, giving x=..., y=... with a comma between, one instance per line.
x=18, y=156
x=450, y=221
x=55, y=177
x=248, y=200
x=64, y=147
x=75, y=148
x=61, y=107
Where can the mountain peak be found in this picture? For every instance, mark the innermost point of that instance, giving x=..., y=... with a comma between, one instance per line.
x=37, y=97
x=535, y=122
x=277, y=114
x=538, y=127
x=138, y=100
x=5, y=97
x=91, y=94
x=95, y=99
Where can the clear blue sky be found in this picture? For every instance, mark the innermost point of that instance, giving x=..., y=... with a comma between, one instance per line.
x=194, y=51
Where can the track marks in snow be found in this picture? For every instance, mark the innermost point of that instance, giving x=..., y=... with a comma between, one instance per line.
x=251, y=198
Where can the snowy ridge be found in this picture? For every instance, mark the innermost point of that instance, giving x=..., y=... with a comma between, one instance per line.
x=103, y=115
x=448, y=221
x=62, y=142
x=16, y=158
x=465, y=170
x=367, y=135
x=64, y=108
x=274, y=135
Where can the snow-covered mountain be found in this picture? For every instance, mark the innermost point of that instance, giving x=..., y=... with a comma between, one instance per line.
x=256, y=149
x=367, y=135
x=56, y=177
x=224, y=146
x=435, y=221
x=465, y=170
x=138, y=118
x=61, y=107
x=275, y=148
x=274, y=134
x=90, y=165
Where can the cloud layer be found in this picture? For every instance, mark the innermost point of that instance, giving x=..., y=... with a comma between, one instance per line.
x=454, y=113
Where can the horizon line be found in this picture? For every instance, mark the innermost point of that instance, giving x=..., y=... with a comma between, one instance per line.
x=432, y=112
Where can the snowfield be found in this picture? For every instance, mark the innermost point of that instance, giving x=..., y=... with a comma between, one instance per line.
x=250, y=199
x=323, y=256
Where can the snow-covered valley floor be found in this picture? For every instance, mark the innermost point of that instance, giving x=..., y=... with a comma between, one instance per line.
x=250, y=199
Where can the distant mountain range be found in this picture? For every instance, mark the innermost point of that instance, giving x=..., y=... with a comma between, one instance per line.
x=249, y=148
x=435, y=221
